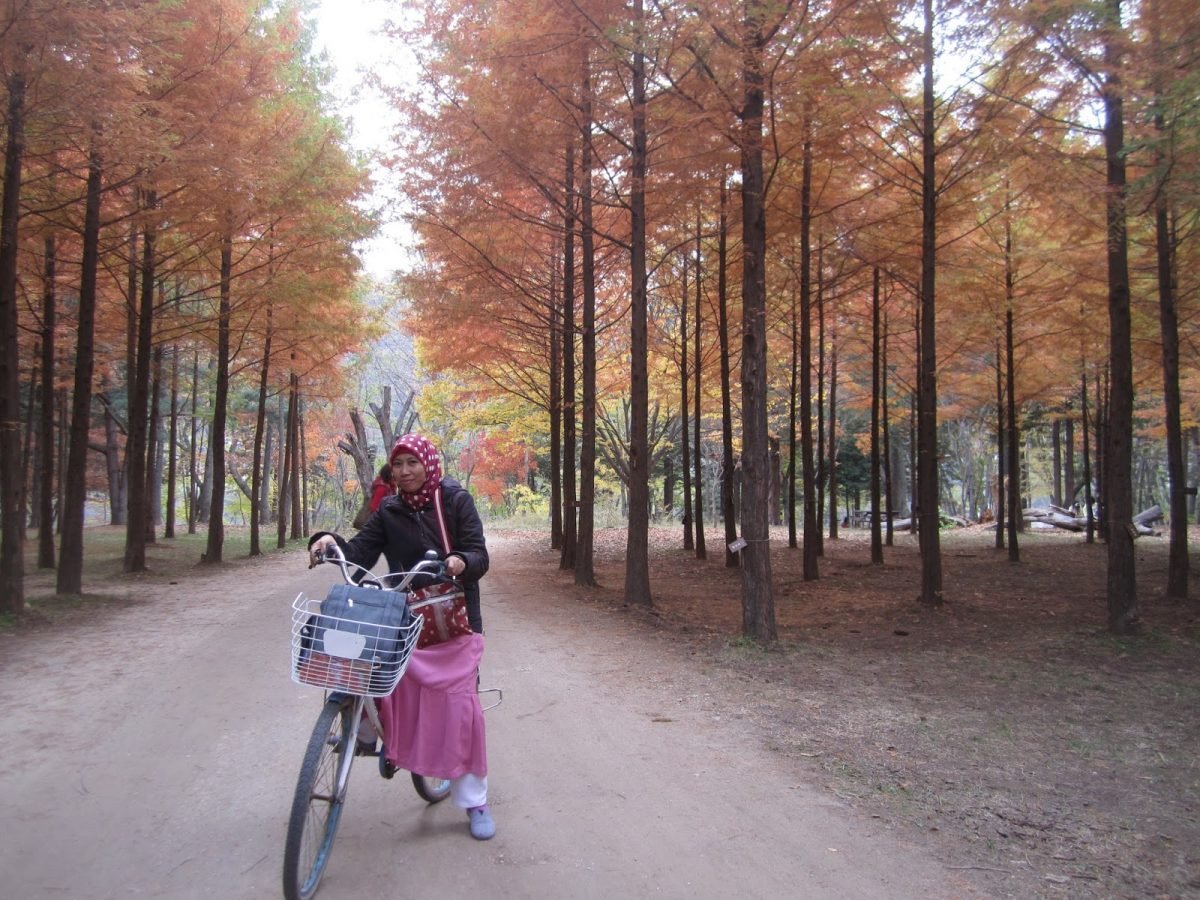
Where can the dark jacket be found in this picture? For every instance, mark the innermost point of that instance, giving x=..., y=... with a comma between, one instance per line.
x=403, y=535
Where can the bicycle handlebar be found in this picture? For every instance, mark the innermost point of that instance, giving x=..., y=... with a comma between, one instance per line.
x=430, y=565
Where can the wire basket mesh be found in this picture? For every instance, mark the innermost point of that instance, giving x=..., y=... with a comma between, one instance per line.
x=345, y=655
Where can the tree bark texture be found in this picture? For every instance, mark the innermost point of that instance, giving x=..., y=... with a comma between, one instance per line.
x=12, y=532
x=758, y=609
x=685, y=447
x=698, y=477
x=927, y=445
x=136, y=448
x=1010, y=387
x=70, y=569
x=1118, y=454
x=728, y=514
x=216, y=444
x=637, y=563
x=812, y=538
x=570, y=506
x=260, y=426
x=876, y=392
x=585, y=549
x=45, y=498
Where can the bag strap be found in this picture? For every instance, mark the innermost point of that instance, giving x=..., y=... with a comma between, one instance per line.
x=441, y=518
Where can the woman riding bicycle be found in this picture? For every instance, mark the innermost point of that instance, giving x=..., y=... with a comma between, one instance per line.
x=447, y=738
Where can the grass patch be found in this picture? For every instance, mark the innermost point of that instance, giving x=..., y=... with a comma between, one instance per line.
x=104, y=563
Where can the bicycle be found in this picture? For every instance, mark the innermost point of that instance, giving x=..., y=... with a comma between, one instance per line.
x=350, y=682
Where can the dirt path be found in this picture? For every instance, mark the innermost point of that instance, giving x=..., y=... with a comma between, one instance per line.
x=152, y=752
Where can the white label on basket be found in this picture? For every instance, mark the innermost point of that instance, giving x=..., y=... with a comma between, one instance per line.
x=345, y=644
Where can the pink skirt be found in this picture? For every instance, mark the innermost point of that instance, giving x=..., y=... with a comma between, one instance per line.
x=433, y=721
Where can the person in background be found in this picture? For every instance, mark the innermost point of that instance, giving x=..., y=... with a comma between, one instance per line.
x=382, y=486
x=433, y=722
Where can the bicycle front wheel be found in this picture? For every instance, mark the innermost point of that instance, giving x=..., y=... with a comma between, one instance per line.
x=431, y=790
x=317, y=805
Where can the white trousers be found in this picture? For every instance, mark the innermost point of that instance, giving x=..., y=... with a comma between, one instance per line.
x=468, y=791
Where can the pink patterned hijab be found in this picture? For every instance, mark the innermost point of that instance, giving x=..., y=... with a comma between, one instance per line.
x=428, y=455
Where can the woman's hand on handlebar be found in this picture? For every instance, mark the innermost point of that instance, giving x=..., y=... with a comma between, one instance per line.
x=321, y=548
x=455, y=565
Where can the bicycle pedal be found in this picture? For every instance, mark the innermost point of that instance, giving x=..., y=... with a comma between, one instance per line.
x=363, y=748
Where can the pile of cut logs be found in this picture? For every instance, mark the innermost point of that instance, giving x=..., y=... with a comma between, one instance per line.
x=1057, y=517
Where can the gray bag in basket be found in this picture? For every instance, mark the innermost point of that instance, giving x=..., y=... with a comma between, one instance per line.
x=363, y=624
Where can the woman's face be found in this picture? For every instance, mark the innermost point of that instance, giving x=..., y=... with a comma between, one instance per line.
x=408, y=473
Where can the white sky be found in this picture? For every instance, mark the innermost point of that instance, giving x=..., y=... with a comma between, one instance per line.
x=347, y=30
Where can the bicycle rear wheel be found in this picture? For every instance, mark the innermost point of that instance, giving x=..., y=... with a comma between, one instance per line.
x=432, y=790
x=317, y=805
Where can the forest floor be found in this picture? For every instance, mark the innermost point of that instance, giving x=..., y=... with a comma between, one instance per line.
x=1006, y=727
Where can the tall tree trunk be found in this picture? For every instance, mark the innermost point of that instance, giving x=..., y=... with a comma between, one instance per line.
x=1056, y=488
x=821, y=477
x=698, y=477
x=585, y=572
x=1177, y=558
x=831, y=450
x=70, y=569
x=1070, y=487
x=1118, y=455
x=260, y=426
x=1016, y=516
x=299, y=487
x=927, y=442
x=876, y=391
x=1012, y=442
x=216, y=441
x=570, y=504
x=154, y=450
x=264, y=494
x=637, y=550
x=758, y=604
x=1001, y=493
x=136, y=448
x=1098, y=419
x=812, y=539
x=301, y=526
x=172, y=445
x=728, y=514
x=119, y=462
x=1087, y=458
x=556, y=405
x=286, y=474
x=668, y=494
x=115, y=462
x=912, y=452
x=193, y=462
x=685, y=454
x=793, y=541
x=45, y=499
x=1177, y=564
x=63, y=405
x=12, y=529
x=886, y=425
x=28, y=474
x=775, y=492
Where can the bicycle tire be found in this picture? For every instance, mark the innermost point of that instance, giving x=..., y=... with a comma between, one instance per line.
x=317, y=804
x=431, y=790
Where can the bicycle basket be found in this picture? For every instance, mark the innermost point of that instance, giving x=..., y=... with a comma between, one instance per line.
x=357, y=640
